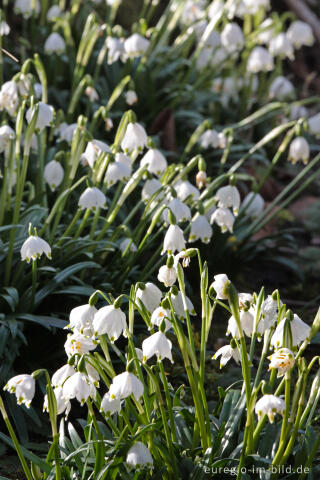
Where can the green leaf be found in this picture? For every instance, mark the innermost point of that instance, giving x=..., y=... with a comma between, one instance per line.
x=29, y=455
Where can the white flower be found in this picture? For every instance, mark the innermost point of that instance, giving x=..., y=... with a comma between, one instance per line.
x=300, y=33
x=185, y=190
x=6, y=135
x=150, y=296
x=24, y=84
x=254, y=6
x=157, y=344
x=131, y=97
x=23, y=386
x=63, y=405
x=135, y=138
x=27, y=7
x=260, y=60
x=281, y=88
x=281, y=46
x=180, y=210
x=282, y=360
x=53, y=13
x=298, y=332
x=314, y=124
x=110, y=405
x=66, y=131
x=92, y=198
x=93, y=150
x=229, y=196
x=270, y=405
x=201, y=179
x=91, y=93
x=221, y=284
x=136, y=45
x=115, y=49
x=53, y=174
x=55, y=44
x=267, y=31
x=9, y=98
x=297, y=111
x=253, y=204
x=81, y=319
x=269, y=311
x=110, y=320
x=179, y=307
x=139, y=456
x=34, y=247
x=4, y=28
x=155, y=161
x=150, y=188
x=299, y=150
x=77, y=343
x=226, y=353
x=61, y=375
x=160, y=315
x=167, y=275
x=125, y=242
x=174, y=240
x=117, y=172
x=45, y=116
x=247, y=323
x=124, y=385
x=92, y=373
x=78, y=386
x=200, y=228
x=232, y=37
x=223, y=218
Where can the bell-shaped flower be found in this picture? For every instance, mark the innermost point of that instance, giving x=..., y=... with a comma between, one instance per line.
x=269, y=311
x=209, y=139
x=232, y=37
x=157, y=344
x=63, y=405
x=155, y=162
x=81, y=319
x=111, y=321
x=252, y=205
x=179, y=307
x=23, y=386
x=314, y=124
x=110, y=405
x=136, y=45
x=223, y=218
x=266, y=31
x=124, y=244
x=300, y=33
x=167, y=275
x=4, y=28
x=77, y=343
x=260, y=60
x=115, y=49
x=185, y=190
x=180, y=210
x=61, y=375
x=229, y=197
x=92, y=198
x=282, y=360
x=174, y=240
x=247, y=324
x=201, y=179
x=160, y=315
x=226, y=353
x=9, y=98
x=297, y=111
x=281, y=46
x=139, y=457
x=93, y=150
x=34, y=247
x=66, y=132
x=131, y=97
x=270, y=405
x=299, y=150
x=281, y=88
x=117, y=172
x=221, y=284
x=124, y=385
x=253, y=6
x=92, y=94
x=299, y=332
x=44, y=118
x=135, y=138
x=6, y=135
x=78, y=386
x=27, y=8
x=53, y=174
x=150, y=296
x=53, y=13
x=150, y=188
x=55, y=44
x=200, y=229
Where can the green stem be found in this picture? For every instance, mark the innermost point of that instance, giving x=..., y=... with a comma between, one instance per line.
x=168, y=400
